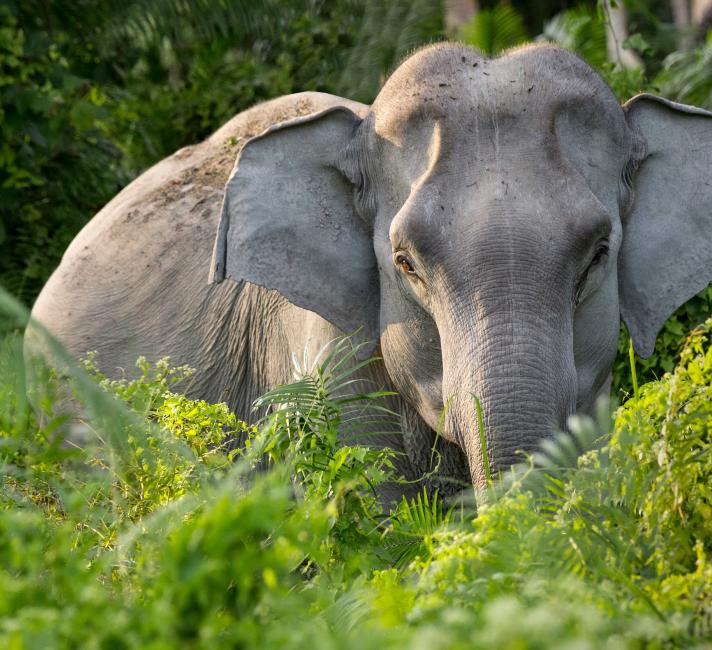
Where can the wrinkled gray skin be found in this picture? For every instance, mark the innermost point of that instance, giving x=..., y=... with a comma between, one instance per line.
x=487, y=221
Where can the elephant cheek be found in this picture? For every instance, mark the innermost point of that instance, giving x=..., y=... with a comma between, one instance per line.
x=411, y=353
x=596, y=330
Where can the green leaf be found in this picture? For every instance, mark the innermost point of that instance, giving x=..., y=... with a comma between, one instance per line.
x=637, y=43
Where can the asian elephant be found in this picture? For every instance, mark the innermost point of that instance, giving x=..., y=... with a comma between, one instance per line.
x=485, y=222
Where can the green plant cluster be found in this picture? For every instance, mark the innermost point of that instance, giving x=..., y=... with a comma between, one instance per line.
x=157, y=533
x=668, y=346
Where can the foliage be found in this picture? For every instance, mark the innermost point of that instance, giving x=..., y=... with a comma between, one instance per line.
x=686, y=75
x=158, y=534
x=156, y=469
x=665, y=433
x=170, y=81
x=668, y=345
x=387, y=33
x=493, y=30
x=53, y=137
x=99, y=91
x=579, y=29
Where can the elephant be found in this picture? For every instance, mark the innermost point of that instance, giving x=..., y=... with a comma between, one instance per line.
x=482, y=228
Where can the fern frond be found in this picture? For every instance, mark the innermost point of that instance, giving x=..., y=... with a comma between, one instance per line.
x=413, y=525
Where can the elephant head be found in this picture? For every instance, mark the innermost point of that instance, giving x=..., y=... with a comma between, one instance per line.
x=489, y=221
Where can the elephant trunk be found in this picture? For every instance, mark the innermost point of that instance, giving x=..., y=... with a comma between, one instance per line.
x=520, y=368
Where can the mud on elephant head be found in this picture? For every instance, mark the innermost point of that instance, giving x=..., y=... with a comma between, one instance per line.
x=489, y=221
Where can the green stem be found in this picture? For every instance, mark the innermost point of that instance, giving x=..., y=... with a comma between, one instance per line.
x=631, y=356
x=483, y=442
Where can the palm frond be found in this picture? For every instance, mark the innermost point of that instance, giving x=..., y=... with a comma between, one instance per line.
x=687, y=75
x=329, y=404
x=386, y=33
x=493, y=30
x=580, y=29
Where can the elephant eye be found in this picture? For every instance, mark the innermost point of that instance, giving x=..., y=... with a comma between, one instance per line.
x=598, y=257
x=404, y=263
x=600, y=254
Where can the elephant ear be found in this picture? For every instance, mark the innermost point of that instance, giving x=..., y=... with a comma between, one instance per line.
x=288, y=222
x=666, y=256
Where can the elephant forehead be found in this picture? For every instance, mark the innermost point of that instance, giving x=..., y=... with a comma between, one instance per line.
x=498, y=213
x=518, y=95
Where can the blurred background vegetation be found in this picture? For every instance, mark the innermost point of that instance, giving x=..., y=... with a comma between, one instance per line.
x=94, y=91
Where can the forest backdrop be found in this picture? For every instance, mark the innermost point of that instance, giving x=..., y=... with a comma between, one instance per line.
x=94, y=92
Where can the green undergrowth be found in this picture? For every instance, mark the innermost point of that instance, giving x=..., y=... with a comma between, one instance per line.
x=159, y=532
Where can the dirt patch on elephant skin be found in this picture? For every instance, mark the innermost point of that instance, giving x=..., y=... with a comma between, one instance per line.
x=215, y=157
